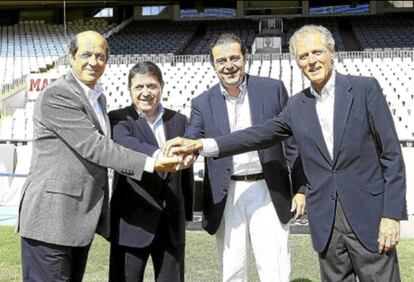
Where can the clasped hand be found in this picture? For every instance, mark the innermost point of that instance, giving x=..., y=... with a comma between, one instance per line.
x=177, y=154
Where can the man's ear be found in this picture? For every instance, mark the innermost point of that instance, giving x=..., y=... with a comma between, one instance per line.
x=71, y=59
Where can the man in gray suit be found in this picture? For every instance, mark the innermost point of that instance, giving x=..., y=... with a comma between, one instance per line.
x=64, y=200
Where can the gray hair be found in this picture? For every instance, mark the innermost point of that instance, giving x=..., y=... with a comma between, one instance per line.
x=326, y=34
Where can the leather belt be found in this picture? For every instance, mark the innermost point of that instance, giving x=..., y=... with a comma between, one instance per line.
x=248, y=177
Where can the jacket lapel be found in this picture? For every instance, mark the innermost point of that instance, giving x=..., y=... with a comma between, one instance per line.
x=169, y=126
x=219, y=110
x=343, y=103
x=146, y=131
x=82, y=96
x=132, y=112
x=255, y=102
x=102, y=101
x=311, y=122
x=170, y=131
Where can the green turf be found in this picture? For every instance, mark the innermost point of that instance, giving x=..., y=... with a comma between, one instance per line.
x=201, y=259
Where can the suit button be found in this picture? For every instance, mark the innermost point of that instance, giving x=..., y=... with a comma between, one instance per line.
x=228, y=169
x=332, y=197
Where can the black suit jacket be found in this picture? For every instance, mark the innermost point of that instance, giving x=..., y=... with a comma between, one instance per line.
x=119, y=115
x=137, y=205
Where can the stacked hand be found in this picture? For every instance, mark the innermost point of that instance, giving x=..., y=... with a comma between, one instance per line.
x=177, y=154
x=181, y=147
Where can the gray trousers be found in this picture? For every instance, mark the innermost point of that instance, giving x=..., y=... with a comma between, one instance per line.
x=345, y=258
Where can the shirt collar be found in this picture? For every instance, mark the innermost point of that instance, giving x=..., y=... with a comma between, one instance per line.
x=160, y=110
x=92, y=94
x=242, y=87
x=327, y=90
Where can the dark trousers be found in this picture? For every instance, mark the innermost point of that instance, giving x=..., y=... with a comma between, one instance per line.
x=44, y=262
x=345, y=258
x=127, y=264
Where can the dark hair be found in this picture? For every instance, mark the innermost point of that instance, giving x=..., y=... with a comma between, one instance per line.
x=227, y=38
x=145, y=67
x=74, y=46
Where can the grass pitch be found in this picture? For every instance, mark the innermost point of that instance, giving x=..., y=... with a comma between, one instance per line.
x=201, y=259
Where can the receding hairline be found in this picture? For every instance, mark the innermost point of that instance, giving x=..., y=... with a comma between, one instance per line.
x=87, y=35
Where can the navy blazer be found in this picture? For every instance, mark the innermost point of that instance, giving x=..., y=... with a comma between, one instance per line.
x=367, y=170
x=137, y=205
x=209, y=119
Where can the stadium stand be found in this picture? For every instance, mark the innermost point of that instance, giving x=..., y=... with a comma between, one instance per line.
x=290, y=25
x=33, y=46
x=245, y=29
x=152, y=37
x=384, y=49
x=384, y=32
x=6, y=128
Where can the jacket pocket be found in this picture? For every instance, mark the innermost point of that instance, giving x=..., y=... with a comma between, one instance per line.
x=376, y=188
x=73, y=188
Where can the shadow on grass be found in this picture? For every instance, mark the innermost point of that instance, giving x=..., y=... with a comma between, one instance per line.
x=302, y=280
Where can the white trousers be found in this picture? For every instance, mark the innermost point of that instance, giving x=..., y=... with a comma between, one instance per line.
x=250, y=217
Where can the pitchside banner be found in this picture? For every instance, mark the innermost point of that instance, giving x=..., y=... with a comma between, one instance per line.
x=36, y=82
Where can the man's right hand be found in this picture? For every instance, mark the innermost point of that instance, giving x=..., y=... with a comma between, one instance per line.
x=181, y=146
x=167, y=164
x=173, y=163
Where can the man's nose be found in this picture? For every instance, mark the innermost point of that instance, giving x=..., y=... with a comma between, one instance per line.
x=146, y=91
x=229, y=65
x=312, y=59
x=92, y=60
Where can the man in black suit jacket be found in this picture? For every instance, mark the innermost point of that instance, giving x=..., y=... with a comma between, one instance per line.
x=351, y=157
x=148, y=216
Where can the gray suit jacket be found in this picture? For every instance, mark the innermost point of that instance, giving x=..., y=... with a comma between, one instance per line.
x=63, y=198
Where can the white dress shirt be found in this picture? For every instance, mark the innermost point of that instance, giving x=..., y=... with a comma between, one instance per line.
x=93, y=97
x=238, y=109
x=157, y=127
x=325, y=102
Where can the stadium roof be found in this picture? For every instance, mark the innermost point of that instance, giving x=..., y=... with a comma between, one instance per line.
x=107, y=3
x=77, y=3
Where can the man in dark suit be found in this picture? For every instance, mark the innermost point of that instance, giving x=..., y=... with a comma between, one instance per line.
x=148, y=216
x=246, y=198
x=64, y=198
x=351, y=157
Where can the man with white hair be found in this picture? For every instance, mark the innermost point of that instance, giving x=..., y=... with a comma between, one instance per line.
x=351, y=158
